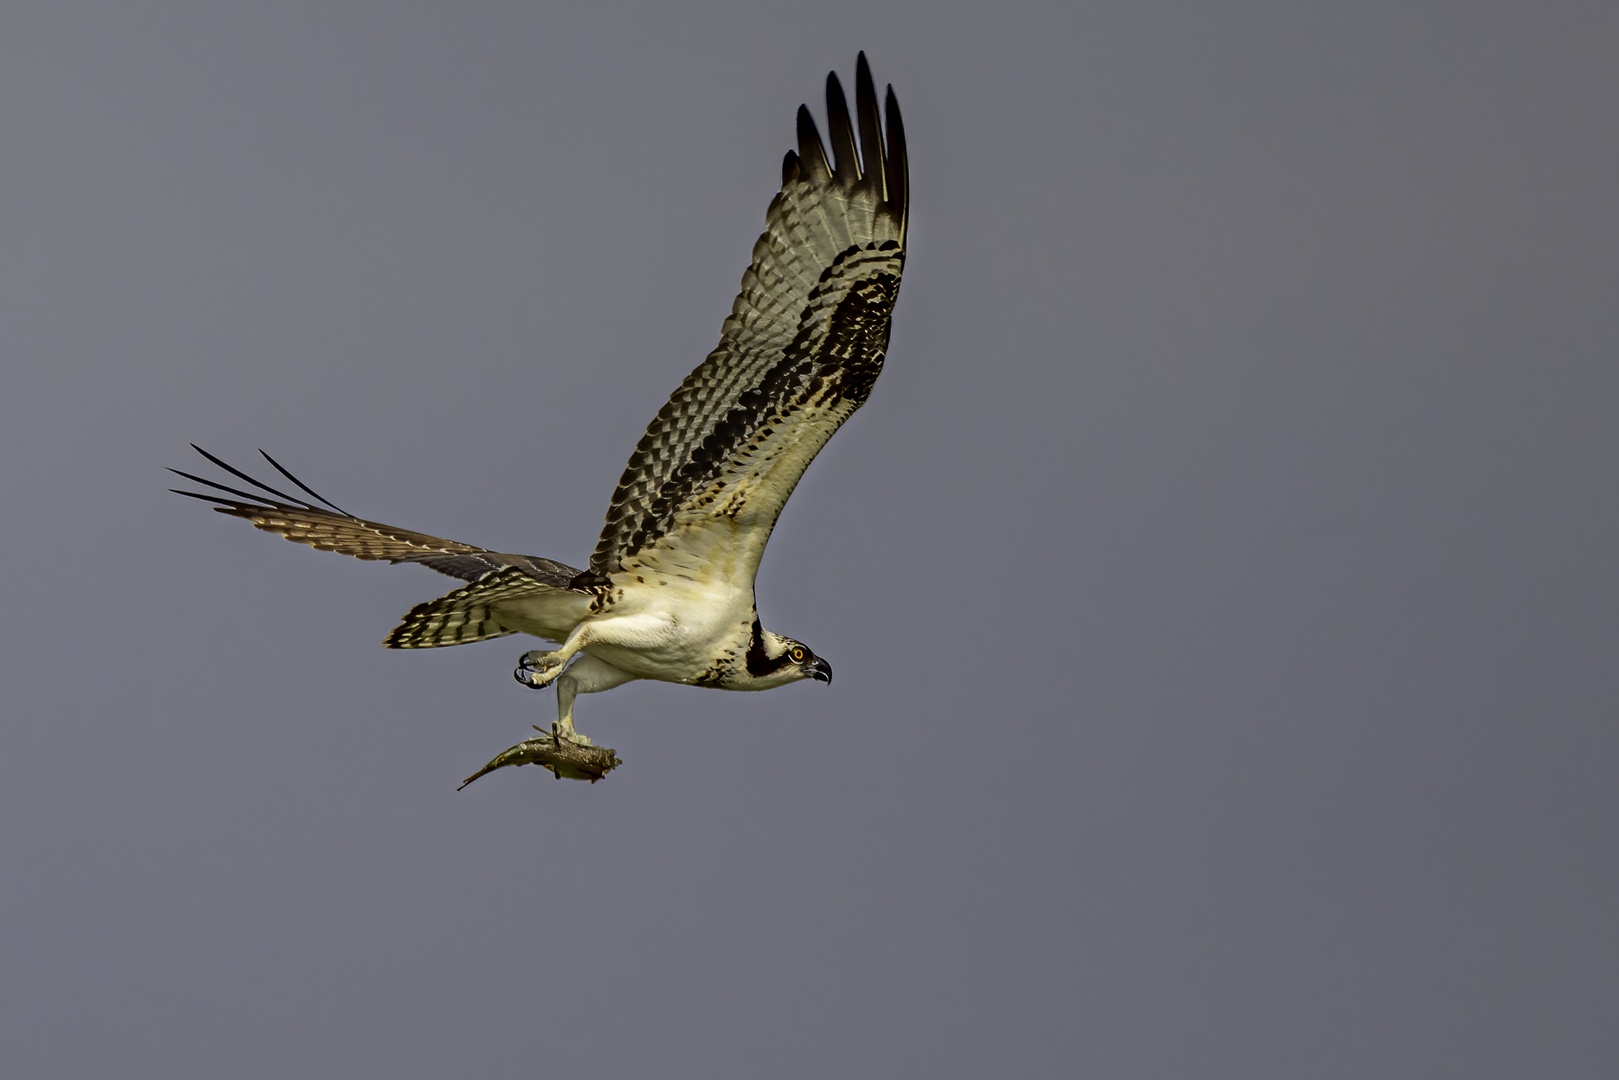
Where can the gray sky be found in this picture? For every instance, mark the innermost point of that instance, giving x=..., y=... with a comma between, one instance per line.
x=1221, y=580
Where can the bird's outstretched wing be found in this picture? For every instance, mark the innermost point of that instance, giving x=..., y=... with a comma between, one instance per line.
x=335, y=529
x=798, y=355
x=506, y=594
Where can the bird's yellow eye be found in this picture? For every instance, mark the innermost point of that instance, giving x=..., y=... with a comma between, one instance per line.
x=797, y=655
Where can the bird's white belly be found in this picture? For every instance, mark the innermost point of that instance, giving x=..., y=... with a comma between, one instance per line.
x=670, y=628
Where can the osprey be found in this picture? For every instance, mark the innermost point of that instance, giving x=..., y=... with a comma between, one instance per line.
x=669, y=592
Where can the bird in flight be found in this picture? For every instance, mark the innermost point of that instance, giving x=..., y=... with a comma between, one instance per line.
x=669, y=591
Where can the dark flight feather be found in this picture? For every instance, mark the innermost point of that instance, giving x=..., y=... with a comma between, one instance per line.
x=840, y=130
x=871, y=128
x=811, y=151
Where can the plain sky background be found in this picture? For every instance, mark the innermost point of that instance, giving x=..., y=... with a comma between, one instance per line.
x=1222, y=581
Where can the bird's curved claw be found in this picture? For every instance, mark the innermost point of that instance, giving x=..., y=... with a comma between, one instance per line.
x=537, y=669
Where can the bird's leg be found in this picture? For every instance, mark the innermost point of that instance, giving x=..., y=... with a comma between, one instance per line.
x=586, y=675
x=567, y=690
x=537, y=668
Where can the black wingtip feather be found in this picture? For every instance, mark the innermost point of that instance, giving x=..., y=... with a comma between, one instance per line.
x=811, y=154
x=303, y=486
x=255, y=499
x=239, y=474
x=789, y=168
x=899, y=189
x=225, y=506
x=871, y=128
x=840, y=130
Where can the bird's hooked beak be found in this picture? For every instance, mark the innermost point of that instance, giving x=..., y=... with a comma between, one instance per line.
x=820, y=671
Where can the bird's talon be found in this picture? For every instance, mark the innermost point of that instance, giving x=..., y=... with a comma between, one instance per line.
x=538, y=669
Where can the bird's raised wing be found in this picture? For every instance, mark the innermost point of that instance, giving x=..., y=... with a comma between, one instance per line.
x=798, y=355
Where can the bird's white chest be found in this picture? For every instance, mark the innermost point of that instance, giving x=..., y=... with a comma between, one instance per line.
x=670, y=626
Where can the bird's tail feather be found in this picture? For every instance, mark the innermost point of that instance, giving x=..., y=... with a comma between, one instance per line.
x=465, y=615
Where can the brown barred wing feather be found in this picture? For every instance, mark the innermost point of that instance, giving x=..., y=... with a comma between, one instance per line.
x=303, y=522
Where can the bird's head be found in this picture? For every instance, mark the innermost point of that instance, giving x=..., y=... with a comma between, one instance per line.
x=774, y=660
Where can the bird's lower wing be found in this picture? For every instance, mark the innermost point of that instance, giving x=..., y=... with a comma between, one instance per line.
x=334, y=529
x=506, y=594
